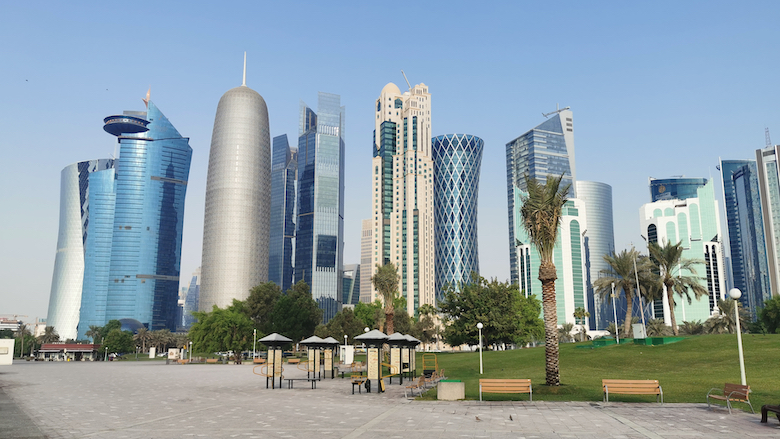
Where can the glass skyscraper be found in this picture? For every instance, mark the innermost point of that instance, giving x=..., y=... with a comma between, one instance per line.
x=679, y=188
x=747, y=241
x=284, y=174
x=456, y=165
x=150, y=186
x=191, y=300
x=68, y=277
x=769, y=191
x=547, y=149
x=350, y=291
x=319, y=242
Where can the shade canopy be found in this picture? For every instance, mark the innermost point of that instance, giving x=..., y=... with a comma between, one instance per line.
x=312, y=341
x=330, y=341
x=275, y=339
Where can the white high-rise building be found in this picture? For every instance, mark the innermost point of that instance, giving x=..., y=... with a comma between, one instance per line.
x=238, y=199
x=366, y=244
x=402, y=204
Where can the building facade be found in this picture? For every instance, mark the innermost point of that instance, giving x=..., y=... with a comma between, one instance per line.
x=769, y=192
x=545, y=150
x=457, y=159
x=350, y=291
x=746, y=238
x=284, y=175
x=366, y=246
x=68, y=276
x=695, y=223
x=148, y=218
x=402, y=204
x=191, y=300
x=677, y=188
x=599, y=240
x=238, y=197
x=319, y=242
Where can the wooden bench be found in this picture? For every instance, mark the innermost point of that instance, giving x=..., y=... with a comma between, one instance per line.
x=259, y=361
x=211, y=360
x=765, y=409
x=358, y=380
x=731, y=393
x=419, y=386
x=632, y=387
x=505, y=386
x=312, y=380
x=293, y=360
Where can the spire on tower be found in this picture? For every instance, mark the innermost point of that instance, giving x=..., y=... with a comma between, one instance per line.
x=244, y=82
x=146, y=100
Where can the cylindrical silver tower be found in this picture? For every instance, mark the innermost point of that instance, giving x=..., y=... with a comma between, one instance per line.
x=457, y=159
x=238, y=198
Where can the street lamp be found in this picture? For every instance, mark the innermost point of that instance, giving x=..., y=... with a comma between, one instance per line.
x=105, y=357
x=480, y=326
x=735, y=294
x=254, y=344
x=190, y=352
x=614, y=311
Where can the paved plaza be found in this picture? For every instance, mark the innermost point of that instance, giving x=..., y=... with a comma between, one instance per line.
x=155, y=400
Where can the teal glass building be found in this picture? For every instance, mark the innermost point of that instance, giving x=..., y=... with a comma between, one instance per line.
x=319, y=242
x=284, y=173
x=457, y=159
x=149, y=188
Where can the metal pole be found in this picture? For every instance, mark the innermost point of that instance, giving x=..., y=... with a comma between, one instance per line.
x=479, y=326
x=641, y=306
x=614, y=311
x=254, y=344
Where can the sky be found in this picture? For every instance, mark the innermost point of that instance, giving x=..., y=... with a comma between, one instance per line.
x=657, y=89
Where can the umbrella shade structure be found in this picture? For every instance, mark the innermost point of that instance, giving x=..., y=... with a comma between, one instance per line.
x=275, y=342
x=398, y=343
x=314, y=346
x=373, y=340
x=330, y=344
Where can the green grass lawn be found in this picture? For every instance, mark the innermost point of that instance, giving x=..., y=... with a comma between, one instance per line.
x=686, y=370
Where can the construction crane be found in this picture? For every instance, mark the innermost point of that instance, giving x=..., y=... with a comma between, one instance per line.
x=558, y=110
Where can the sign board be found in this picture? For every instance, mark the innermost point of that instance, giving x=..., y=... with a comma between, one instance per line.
x=277, y=362
x=317, y=361
x=405, y=359
x=373, y=363
x=348, y=354
x=7, y=351
x=395, y=359
x=173, y=353
x=310, y=359
x=152, y=352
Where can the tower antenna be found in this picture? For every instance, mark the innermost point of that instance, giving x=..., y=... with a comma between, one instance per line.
x=768, y=140
x=407, y=81
x=555, y=112
x=244, y=81
x=146, y=100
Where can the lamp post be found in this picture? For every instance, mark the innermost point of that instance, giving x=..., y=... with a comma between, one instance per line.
x=614, y=312
x=190, y=352
x=254, y=344
x=480, y=326
x=735, y=294
x=105, y=357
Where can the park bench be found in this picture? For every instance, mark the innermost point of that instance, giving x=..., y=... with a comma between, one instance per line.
x=765, y=409
x=293, y=360
x=731, y=393
x=505, y=386
x=632, y=387
x=211, y=360
x=312, y=380
x=358, y=380
x=418, y=386
x=259, y=361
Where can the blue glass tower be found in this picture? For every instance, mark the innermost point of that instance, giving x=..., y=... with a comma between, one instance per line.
x=749, y=266
x=457, y=159
x=150, y=186
x=192, y=300
x=284, y=173
x=678, y=188
x=319, y=243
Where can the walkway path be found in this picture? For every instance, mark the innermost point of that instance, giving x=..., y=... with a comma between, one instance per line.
x=154, y=400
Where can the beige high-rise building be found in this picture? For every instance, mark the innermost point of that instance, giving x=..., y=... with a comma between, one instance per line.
x=366, y=246
x=402, y=204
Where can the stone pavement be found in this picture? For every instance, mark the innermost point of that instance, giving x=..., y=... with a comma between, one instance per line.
x=154, y=400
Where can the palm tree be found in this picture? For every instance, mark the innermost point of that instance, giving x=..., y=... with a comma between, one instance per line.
x=691, y=328
x=564, y=333
x=49, y=335
x=143, y=336
x=541, y=217
x=386, y=282
x=94, y=333
x=668, y=259
x=580, y=315
x=657, y=328
x=724, y=321
x=621, y=273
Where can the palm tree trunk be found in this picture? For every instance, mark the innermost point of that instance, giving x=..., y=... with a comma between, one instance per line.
x=550, y=329
x=670, y=299
x=629, y=314
x=389, y=322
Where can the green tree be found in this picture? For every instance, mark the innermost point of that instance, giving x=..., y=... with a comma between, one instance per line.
x=621, y=273
x=386, y=283
x=6, y=333
x=770, y=315
x=657, y=328
x=670, y=263
x=94, y=333
x=691, y=328
x=369, y=313
x=343, y=323
x=564, y=333
x=531, y=326
x=118, y=341
x=296, y=314
x=142, y=338
x=725, y=321
x=580, y=314
x=497, y=305
x=49, y=335
x=261, y=303
x=228, y=329
x=425, y=328
x=541, y=216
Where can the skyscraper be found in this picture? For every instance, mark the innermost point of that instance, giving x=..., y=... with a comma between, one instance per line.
x=319, y=237
x=148, y=217
x=456, y=164
x=547, y=149
x=68, y=277
x=402, y=205
x=769, y=191
x=747, y=240
x=599, y=241
x=238, y=196
x=350, y=291
x=284, y=174
x=366, y=246
x=693, y=222
x=192, y=299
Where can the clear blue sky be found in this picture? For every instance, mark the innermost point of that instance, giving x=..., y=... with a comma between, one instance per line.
x=657, y=89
